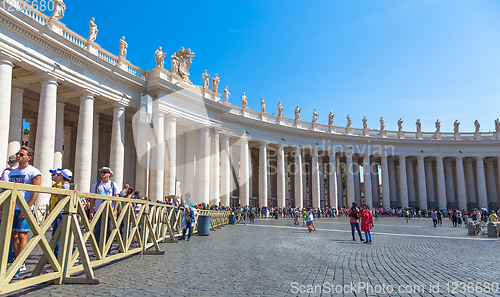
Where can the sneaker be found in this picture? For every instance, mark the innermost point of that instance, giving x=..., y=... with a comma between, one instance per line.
x=354, y=239
x=361, y=239
x=22, y=268
x=370, y=242
x=17, y=274
x=188, y=239
x=182, y=238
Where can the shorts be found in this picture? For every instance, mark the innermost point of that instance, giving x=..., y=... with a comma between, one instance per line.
x=20, y=225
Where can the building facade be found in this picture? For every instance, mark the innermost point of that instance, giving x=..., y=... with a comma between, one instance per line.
x=88, y=108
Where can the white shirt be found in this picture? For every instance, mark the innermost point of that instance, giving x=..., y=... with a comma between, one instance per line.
x=6, y=172
x=24, y=176
x=104, y=189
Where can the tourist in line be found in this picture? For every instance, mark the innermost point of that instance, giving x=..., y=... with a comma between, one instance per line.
x=354, y=220
x=61, y=180
x=24, y=174
x=104, y=187
x=188, y=218
x=366, y=223
x=13, y=164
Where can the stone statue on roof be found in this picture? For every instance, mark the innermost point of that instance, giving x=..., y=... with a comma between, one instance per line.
x=477, y=125
x=419, y=125
x=297, y=113
x=59, y=9
x=215, y=82
x=280, y=109
x=160, y=58
x=226, y=95
x=400, y=125
x=206, y=78
x=93, y=31
x=123, y=49
x=456, y=126
x=315, y=117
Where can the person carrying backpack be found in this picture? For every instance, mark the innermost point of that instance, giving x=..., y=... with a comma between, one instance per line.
x=354, y=220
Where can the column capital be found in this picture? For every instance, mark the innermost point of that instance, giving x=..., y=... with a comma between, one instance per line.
x=50, y=78
x=118, y=106
x=171, y=117
x=86, y=93
x=420, y=157
x=6, y=60
x=479, y=158
x=17, y=89
x=438, y=157
x=459, y=158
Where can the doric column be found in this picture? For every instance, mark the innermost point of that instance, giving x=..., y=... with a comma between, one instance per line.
x=340, y=184
x=157, y=157
x=332, y=180
x=315, y=178
x=95, y=153
x=263, y=178
x=171, y=154
x=321, y=174
x=349, y=180
x=422, y=188
x=441, y=185
x=367, y=181
x=490, y=181
x=469, y=180
x=482, y=199
x=281, y=177
x=16, y=121
x=225, y=171
x=214, y=172
x=461, y=191
x=117, y=152
x=59, y=142
x=5, y=101
x=392, y=181
x=411, y=181
x=450, y=185
x=357, y=181
x=83, y=153
x=498, y=164
x=386, y=195
x=46, y=132
x=32, y=134
x=403, y=182
x=245, y=174
x=429, y=180
x=203, y=167
x=375, y=184
x=298, y=183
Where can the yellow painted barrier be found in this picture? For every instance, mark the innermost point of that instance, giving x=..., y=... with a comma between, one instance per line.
x=79, y=249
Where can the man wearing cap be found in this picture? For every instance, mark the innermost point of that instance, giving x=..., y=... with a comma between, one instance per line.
x=104, y=187
x=354, y=220
x=61, y=178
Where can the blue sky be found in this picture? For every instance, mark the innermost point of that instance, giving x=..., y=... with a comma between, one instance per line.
x=424, y=59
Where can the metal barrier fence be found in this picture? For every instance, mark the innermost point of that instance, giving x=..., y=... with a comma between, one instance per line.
x=79, y=249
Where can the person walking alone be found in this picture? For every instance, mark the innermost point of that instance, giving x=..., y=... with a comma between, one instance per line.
x=354, y=220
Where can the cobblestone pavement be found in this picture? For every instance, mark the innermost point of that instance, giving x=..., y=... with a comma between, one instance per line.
x=274, y=258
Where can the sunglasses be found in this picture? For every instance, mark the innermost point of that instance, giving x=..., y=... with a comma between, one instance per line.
x=20, y=154
x=104, y=172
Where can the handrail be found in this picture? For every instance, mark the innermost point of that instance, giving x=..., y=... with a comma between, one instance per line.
x=152, y=224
